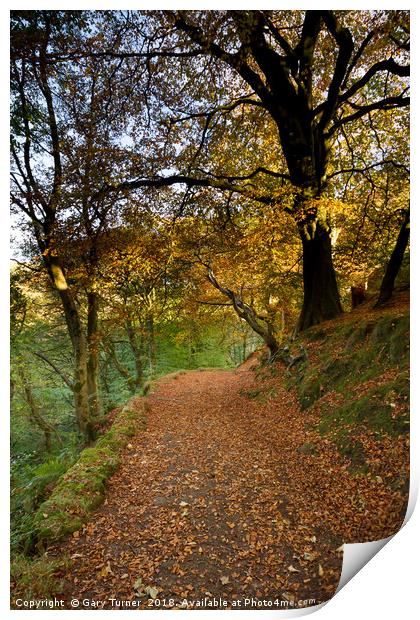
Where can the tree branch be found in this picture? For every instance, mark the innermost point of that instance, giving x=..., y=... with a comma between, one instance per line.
x=236, y=61
x=61, y=374
x=370, y=167
x=345, y=44
x=384, y=65
x=179, y=179
x=388, y=103
x=58, y=57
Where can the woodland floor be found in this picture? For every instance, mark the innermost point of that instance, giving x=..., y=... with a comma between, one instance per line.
x=217, y=498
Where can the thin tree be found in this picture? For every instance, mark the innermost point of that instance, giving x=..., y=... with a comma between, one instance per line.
x=395, y=262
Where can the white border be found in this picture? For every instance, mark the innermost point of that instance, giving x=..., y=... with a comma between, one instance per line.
x=388, y=585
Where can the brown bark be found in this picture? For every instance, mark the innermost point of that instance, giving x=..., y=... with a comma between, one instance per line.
x=79, y=344
x=321, y=299
x=358, y=296
x=80, y=385
x=395, y=261
x=260, y=325
x=93, y=336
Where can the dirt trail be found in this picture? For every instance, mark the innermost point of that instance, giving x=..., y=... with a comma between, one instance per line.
x=208, y=503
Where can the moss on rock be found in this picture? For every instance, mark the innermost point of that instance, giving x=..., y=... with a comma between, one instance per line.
x=309, y=391
x=82, y=488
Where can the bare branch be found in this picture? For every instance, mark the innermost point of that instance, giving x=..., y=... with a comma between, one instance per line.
x=78, y=55
x=384, y=65
x=59, y=372
x=179, y=179
x=389, y=103
x=236, y=61
x=383, y=162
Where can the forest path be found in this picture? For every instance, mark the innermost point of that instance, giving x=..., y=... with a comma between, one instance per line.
x=210, y=501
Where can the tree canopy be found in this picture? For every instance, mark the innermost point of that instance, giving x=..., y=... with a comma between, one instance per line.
x=187, y=163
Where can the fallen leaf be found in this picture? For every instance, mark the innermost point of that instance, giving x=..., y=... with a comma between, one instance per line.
x=152, y=592
x=138, y=584
x=106, y=570
x=224, y=580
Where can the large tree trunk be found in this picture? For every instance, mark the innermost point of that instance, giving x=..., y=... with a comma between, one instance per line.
x=93, y=356
x=307, y=156
x=395, y=261
x=321, y=300
x=80, y=385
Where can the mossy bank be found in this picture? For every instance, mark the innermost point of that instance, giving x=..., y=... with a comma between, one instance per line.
x=82, y=488
x=76, y=494
x=355, y=379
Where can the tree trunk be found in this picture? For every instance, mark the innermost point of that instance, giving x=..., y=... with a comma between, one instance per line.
x=151, y=343
x=271, y=343
x=78, y=340
x=321, y=300
x=93, y=357
x=80, y=388
x=261, y=325
x=132, y=337
x=394, y=263
x=80, y=385
x=35, y=414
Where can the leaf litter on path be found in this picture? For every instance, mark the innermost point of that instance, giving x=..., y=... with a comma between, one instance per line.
x=241, y=511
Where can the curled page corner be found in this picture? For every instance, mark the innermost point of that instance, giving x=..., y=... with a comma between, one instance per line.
x=357, y=555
